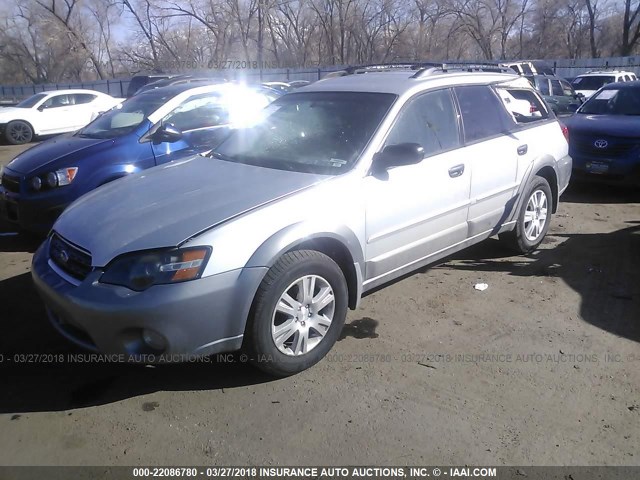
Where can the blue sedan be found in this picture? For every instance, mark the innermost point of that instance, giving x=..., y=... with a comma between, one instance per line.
x=147, y=130
x=604, y=135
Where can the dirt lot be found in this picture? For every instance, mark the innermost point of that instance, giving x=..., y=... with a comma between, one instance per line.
x=542, y=368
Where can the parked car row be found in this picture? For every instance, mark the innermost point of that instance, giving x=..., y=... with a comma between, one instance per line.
x=149, y=129
x=270, y=223
x=264, y=239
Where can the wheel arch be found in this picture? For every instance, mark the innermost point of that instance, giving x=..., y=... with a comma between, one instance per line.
x=549, y=174
x=24, y=121
x=341, y=245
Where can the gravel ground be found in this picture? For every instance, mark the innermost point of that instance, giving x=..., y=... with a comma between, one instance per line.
x=542, y=368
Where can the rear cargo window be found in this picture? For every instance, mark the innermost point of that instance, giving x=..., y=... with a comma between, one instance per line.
x=523, y=105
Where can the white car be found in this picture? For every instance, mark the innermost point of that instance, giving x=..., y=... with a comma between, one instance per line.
x=52, y=112
x=589, y=83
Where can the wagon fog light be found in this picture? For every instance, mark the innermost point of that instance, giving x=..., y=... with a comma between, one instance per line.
x=36, y=183
x=154, y=339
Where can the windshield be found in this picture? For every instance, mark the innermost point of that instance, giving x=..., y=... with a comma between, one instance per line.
x=611, y=101
x=125, y=117
x=315, y=132
x=592, y=82
x=31, y=101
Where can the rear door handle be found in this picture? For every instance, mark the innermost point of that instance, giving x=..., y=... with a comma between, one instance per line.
x=456, y=171
x=522, y=149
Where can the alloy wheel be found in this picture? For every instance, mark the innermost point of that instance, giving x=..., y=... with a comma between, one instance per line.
x=535, y=216
x=303, y=315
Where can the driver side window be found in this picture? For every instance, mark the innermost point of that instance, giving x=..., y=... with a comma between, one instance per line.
x=200, y=111
x=429, y=120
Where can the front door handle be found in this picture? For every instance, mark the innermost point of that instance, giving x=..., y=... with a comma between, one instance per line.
x=522, y=149
x=456, y=171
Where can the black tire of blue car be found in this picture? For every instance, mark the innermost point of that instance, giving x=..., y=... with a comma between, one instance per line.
x=259, y=342
x=517, y=239
x=18, y=132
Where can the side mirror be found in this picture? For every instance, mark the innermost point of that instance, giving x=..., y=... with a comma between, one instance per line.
x=41, y=108
x=398, y=155
x=580, y=97
x=167, y=133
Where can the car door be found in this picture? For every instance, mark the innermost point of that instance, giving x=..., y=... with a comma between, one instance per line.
x=492, y=149
x=415, y=211
x=55, y=114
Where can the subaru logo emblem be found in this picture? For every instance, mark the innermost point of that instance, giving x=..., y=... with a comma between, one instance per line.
x=63, y=256
x=601, y=143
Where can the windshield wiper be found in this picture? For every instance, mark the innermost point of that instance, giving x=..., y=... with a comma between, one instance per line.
x=221, y=156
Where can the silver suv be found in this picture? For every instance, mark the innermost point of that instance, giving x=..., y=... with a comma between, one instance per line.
x=263, y=244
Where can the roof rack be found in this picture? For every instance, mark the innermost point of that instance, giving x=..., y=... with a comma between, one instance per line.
x=462, y=67
x=387, y=67
x=421, y=68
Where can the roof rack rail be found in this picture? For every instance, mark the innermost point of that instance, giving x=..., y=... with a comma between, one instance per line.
x=462, y=67
x=383, y=67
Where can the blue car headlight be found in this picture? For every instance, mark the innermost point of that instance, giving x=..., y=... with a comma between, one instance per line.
x=58, y=178
x=141, y=270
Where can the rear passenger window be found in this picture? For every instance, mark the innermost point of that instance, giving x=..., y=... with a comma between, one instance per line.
x=429, y=120
x=543, y=86
x=523, y=105
x=81, y=98
x=482, y=114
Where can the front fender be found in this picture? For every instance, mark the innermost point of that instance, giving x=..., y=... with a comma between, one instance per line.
x=287, y=238
x=304, y=235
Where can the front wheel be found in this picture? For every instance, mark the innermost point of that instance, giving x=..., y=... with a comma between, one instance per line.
x=298, y=313
x=533, y=218
x=18, y=132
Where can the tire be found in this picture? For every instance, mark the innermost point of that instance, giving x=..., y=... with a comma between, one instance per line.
x=289, y=340
x=533, y=219
x=18, y=132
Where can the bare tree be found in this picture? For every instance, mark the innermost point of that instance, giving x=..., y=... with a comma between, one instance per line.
x=630, y=27
x=66, y=14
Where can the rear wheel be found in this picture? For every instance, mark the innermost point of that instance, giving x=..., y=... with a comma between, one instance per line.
x=298, y=313
x=18, y=132
x=533, y=218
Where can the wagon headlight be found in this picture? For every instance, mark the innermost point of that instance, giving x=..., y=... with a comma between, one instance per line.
x=58, y=178
x=139, y=271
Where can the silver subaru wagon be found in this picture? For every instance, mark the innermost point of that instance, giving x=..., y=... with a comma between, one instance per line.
x=263, y=243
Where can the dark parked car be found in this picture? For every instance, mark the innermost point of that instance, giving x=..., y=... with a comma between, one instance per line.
x=149, y=129
x=140, y=81
x=557, y=92
x=194, y=80
x=605, y=135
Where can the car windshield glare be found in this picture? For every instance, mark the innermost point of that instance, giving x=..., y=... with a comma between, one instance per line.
x=124, y=117
x=611, y=101
x=31, y=101
x=315, y=132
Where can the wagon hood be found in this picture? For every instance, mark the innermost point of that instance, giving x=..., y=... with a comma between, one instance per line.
x=52, y=151
x=166, y=205
x=611, y=125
